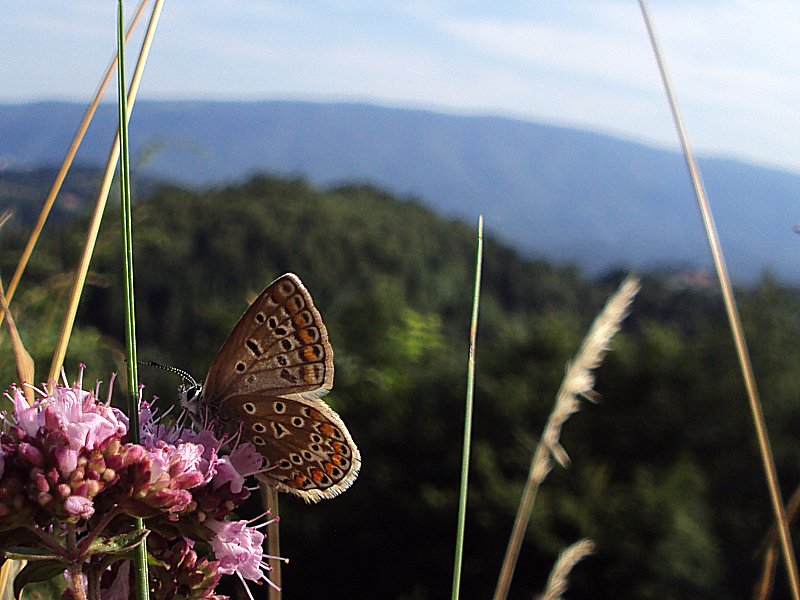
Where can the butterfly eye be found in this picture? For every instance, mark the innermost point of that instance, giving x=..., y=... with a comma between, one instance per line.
x=249, y=408
x=259, y=427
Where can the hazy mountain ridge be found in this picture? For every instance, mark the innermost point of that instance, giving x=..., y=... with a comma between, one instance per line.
x=556, y=192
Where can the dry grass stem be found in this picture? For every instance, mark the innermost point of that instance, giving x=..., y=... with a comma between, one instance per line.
x=558, y=581
x=269, y=500
x=737, y=331
x=100, y=204
x=25, y=366
x=769, y=547
x=578, y=381
x=65, y=166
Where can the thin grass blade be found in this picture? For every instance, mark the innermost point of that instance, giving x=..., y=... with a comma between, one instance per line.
x=737, y=331
x=100, y=203
x=66, y=164
x=462, y=498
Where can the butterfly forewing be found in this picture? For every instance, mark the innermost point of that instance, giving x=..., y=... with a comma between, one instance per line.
x=279, y=346
x=307, y=447
x=265, y=384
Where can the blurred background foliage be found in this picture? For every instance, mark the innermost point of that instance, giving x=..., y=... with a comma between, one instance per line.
x=665, y=475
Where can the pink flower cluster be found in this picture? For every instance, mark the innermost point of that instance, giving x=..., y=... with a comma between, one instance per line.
x=70, y=475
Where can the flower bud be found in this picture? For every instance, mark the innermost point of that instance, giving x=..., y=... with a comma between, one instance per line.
x=31, y=454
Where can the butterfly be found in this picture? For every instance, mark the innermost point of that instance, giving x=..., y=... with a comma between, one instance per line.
x=266, y=384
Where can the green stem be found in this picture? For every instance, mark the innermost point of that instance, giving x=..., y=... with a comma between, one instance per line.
x=462, y=500
x=142, y=580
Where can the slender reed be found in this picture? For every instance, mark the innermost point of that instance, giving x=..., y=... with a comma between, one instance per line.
x=142, y=579
x=473, y=334
x=737, y=331
x=66, y=164
x=578, y=381
x=569, y=557
x=100, y=203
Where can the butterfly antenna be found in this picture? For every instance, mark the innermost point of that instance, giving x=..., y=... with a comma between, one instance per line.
x=176, y=370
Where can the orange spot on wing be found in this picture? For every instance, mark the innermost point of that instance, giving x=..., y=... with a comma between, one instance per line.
x=337, y=459
x=326, y=429
x=304, y=335
x=317, y=475
x=298, y=481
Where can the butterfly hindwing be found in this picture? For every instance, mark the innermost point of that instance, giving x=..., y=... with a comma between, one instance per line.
x=308, y=450
x=279, y=346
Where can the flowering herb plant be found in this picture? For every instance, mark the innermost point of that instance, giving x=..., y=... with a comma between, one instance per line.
x=71, y=479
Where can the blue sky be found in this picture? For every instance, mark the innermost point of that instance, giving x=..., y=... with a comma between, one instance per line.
x=735, y=64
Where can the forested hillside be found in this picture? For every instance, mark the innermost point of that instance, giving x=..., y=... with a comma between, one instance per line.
x=558, y=192
x=665, y=476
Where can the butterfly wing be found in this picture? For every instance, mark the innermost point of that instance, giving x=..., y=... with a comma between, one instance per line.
x=278, y=347
x=308, y=450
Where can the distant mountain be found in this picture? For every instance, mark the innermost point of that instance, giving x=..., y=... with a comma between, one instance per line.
x=559, y=193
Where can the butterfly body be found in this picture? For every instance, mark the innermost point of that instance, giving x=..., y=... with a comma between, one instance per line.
x=266, y=384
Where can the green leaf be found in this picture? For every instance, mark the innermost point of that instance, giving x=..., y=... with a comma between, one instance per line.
x=35, y=572
x=46, y=590
x=118, y=544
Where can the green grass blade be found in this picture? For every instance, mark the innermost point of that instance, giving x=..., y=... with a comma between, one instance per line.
x=142, y=583
x=462, y=499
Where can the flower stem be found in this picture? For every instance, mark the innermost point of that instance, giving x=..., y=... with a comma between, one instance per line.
x=77, y=583
x=48, y=540
x=98, y=529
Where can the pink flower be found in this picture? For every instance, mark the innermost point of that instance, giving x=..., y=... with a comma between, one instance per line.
x=238, y=549
x=243, y=461
x=164, y=475
x=29, y=418
x=85, y=422
x=153, y=431
x=79, y=506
